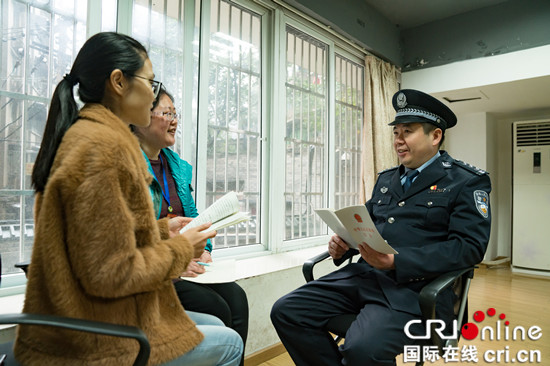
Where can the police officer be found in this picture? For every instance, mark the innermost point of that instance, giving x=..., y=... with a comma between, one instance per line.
x=433, y=209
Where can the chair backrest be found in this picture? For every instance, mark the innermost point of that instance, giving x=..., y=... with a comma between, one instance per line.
x=461, y=288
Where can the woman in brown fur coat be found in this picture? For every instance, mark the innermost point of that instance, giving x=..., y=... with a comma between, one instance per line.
x=99, y=253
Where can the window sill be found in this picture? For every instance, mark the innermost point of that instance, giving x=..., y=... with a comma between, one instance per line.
x=245, y=268
x=264, y=264
x=10, y=305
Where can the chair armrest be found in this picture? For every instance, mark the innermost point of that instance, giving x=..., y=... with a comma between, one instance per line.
x=307, y=267
x=430, y=292
x=24, y=266
x=83, y=325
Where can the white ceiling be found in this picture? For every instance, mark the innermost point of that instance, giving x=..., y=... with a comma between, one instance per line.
x=504, y=98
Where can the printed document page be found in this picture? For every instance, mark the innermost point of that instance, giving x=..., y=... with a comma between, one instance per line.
x=225, y=206
x=354, y=225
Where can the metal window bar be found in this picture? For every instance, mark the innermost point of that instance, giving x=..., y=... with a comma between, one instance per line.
x=305, y=137
x=234, y=128
x=349, y=127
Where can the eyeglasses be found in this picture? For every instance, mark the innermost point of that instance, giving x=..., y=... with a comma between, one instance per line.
x=155, y=85
x=169, y=116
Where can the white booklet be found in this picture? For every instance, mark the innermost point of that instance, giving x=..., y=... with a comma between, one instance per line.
x=222, y=213
x=354, y=225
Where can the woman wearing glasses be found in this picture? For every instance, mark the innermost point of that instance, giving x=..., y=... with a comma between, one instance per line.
x=171, y=191
x=99, y=251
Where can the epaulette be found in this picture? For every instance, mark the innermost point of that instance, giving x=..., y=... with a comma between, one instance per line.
x=470, y=167
x=388, y=170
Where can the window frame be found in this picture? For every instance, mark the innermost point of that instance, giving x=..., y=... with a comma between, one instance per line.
x=274, y=19
x=202, y=129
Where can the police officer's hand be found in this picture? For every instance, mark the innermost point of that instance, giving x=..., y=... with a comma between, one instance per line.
x=337, y=247
x=376, y=259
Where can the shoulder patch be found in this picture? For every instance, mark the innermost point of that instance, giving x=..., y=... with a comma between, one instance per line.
x=388, y=170
x=470, y=167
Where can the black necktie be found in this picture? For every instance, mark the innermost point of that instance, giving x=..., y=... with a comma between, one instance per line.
x=409, y=176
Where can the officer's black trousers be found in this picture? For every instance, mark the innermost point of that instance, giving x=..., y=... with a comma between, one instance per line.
x=375, y=338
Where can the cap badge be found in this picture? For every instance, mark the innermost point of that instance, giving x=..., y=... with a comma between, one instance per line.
x=401, y=100
x=384, y=189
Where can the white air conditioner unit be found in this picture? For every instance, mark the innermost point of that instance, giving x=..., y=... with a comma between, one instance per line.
x=531, y=197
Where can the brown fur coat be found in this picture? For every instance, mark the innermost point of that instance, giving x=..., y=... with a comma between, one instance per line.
x=100, y=254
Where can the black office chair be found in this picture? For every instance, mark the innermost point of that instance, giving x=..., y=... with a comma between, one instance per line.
x=459, y=280
x=6, y=349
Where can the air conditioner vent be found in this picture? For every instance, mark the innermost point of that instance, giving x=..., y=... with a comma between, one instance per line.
x=536, y=134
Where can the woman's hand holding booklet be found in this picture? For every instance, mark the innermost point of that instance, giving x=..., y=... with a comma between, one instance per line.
x=222, y=213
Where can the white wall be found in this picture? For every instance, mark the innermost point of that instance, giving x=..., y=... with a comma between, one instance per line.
x=473, y=141
x=530, y=63
x=492, y=167
x=467, y=140
x=262, y=292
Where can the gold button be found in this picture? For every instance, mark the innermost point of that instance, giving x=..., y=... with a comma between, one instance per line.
x=391, y=220
x=430, y=203
x=379, y=201
x=401, y=204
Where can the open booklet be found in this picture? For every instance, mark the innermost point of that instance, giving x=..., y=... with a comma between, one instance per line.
x=222, y=213
x=354, y=225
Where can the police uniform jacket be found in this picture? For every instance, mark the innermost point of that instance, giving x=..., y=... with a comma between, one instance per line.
x=442, y=223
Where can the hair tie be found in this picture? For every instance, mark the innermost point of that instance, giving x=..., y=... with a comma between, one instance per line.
x=71, y=79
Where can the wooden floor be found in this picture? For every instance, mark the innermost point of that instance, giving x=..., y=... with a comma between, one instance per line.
x=525, y=302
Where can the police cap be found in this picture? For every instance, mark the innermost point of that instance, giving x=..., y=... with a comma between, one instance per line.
x=415, y=106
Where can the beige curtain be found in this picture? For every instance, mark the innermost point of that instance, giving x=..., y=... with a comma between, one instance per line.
x=381, y=83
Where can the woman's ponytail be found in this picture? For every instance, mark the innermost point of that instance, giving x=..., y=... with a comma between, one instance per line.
x=62, y=114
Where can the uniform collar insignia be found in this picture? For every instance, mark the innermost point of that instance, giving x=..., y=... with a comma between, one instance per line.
x=446, y=164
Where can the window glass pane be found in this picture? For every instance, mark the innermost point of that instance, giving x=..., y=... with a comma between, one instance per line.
x=14, y=25
x=234, y=112
x=64, y=6
x=10, y=236
x=11, y=127
x=348, y=130
x=81, y=10
x=305, y=139
x=27, y=233
x=35, y=122
x=160, y=29
x=38, y=53
x=108, y=15
x=63, y=40
x=39, y=42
